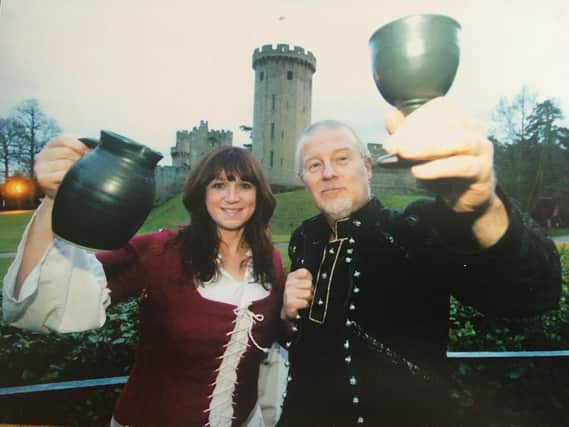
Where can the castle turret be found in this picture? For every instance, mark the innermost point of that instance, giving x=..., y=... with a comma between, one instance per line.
x=282, y=108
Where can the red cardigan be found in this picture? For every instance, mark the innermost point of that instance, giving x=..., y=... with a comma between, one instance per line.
x=181, y=337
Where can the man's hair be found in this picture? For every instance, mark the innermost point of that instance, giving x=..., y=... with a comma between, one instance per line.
x=330, y=124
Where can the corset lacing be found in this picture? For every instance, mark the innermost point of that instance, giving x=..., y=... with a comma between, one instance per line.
x=222, y=397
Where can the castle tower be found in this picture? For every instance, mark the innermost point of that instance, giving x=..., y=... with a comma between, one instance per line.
x=282, y=108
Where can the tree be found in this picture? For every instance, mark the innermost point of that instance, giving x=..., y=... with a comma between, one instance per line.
x=511, y=140
x=549, y=143
x=33, y=130
x=8, y=134
x=531, y=148
x=511, y=117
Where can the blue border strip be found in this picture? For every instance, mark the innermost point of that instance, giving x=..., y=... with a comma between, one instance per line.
x=62, y=385
x=4, y=391
x=504, y=354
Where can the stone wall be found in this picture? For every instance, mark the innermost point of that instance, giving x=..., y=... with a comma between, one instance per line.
x=169, y=182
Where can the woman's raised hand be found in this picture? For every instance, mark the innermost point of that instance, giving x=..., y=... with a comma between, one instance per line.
x=54, y=160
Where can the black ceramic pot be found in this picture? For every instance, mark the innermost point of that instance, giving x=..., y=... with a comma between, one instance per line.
x=106, y=196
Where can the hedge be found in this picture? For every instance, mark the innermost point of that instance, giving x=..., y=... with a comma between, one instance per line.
x=513, y=392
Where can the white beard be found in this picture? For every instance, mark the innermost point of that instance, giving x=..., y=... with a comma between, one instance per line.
x=337, y=209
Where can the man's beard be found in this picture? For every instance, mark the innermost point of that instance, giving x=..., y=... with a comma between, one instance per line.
x=337, y=209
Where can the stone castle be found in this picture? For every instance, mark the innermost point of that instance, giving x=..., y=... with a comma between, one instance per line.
x=192, y=145
x=282, y=110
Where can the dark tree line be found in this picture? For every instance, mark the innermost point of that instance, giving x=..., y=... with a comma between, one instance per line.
x=532, y=153
x=23, y=133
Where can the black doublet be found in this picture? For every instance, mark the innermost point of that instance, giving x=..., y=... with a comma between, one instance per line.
x=368, y=347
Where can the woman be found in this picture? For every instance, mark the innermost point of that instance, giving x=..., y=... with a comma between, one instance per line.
x=209, y=294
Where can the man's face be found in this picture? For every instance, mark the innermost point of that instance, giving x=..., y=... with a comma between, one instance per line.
x=334, y=172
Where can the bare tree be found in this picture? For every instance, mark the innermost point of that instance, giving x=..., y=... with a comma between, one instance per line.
x=510, y=118
x=8, y=133
x=33, y=130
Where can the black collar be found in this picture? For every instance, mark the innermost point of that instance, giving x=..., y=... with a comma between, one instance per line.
x=317, y=228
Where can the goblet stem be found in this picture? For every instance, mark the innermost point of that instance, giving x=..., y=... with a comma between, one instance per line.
x=393, y=161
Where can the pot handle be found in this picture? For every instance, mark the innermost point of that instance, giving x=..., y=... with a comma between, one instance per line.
x=89, y=142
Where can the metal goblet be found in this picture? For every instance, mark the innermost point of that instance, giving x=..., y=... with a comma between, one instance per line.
x=414, y=59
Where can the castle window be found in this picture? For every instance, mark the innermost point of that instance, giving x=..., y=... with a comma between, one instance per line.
x=289, y=75
x=272, y=131
x=282, y=162
x=271, y=159
x=262, y=75
x=274, y=100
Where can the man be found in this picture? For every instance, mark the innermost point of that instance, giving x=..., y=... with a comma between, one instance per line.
x=367, y=299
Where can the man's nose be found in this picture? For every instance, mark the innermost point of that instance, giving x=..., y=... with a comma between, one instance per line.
x=329, y=171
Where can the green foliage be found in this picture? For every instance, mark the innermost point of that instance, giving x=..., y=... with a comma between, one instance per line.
x=472, y=331
x=512, y=392
x=32, y=358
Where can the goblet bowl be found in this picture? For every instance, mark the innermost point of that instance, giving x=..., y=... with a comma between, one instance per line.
x=415, y=59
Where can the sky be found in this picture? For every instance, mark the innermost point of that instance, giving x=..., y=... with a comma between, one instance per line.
x=146, y=68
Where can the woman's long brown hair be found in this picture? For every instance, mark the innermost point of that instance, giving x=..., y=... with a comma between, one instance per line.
x=199, y=241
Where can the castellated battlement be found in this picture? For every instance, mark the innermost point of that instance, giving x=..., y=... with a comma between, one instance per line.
x=282, y=50
x=202, y=128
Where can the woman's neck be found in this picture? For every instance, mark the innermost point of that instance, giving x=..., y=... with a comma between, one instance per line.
x=233, y=251
x=231, y=242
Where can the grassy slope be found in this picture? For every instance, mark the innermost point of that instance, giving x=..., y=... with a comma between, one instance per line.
x=291, y=209
x=12, y=225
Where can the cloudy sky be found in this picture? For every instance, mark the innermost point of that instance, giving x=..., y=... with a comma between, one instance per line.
x=147, y=68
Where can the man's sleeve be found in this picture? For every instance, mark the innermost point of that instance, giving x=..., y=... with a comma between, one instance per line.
x=519, y=275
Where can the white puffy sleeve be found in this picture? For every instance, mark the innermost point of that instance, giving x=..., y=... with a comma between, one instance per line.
x=65, y=292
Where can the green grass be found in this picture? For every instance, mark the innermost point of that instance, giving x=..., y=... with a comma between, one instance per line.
x=4, y=264
x=12, y=225
x=292, y=208
x=554, y=232
x=170, y=214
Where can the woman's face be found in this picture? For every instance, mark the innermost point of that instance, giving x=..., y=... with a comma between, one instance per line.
x=230, y=203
